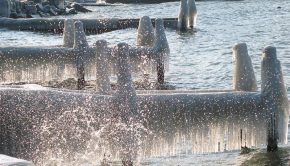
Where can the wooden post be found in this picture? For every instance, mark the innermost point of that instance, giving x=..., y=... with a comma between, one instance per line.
x=145, y=33
x=192, y=13
x=68, y=33
x=161, y=48
x=126, y=93
x=244, y=75
x=160, y=71
x=183, y=16
x=275, y=99
x=102, y=75
x=81, y=48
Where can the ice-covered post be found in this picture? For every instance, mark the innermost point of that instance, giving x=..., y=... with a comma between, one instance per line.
x=102, y=75
x=162, y=48
x=183, y=16
x=244, y=76
x=126, y=93
x=145, y=33
x=192, y=13
x=68, y=33
x=5, y=8
x=81, y=49
x=274, y=99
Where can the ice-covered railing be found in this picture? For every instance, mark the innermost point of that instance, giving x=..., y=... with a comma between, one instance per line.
x=90, y=25
x=42, y=124
x=76, y=59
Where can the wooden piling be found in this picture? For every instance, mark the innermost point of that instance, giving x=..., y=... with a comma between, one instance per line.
x=162, y=49
x=244, y=75
x=275, y=99
x=102, y=75
x=81, y=49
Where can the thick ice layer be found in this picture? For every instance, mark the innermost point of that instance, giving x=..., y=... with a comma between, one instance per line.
x=34, y=64
x=11, y=161
x=46, y=124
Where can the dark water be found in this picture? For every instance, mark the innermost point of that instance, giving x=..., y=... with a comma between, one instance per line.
x=200, y=60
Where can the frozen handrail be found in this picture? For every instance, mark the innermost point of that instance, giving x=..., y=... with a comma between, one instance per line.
x=211, y=116
x=90, y=25
x=75, y=54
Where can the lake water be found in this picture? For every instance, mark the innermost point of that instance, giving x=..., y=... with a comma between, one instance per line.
x=201, y=60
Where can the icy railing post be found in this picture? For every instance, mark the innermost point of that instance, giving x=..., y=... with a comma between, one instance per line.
x=192, y=13
x=244, y=75
x=274, y=99
x=145, y=33
x=81, y=48
x=68, y=33
x=126, y=93
x=5, y=9
x=162, y=48
x=126, y=103
x=183, y=16
x=102, y=75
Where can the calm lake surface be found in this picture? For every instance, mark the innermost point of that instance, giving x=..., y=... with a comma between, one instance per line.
x=201, y=60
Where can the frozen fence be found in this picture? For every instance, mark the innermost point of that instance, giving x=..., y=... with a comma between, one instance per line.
x=36, y=122
x=76, y=59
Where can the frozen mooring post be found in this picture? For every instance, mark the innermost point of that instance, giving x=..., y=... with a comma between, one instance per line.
x=80, y=48
x=102, y=73
x=68, y=33
x=244, y=76
x=145, y=34
x=40, y=124
x=187, y=15
x=275, y=99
